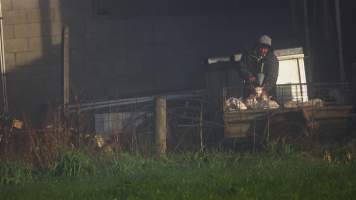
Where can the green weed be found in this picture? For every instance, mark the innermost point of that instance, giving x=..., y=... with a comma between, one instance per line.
x=193, y=176
x=127, y=164
x=72, y=163
x=11, y=173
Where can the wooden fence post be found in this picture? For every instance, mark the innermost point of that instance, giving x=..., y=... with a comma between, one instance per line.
x=65, y=79
x=65, y=67
x=160, y=124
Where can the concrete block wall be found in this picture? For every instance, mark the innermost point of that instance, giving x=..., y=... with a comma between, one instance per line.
x=32, y=31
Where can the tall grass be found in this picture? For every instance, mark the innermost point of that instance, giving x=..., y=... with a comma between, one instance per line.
x=72, y=163
x=193, y=176
x=11, y=173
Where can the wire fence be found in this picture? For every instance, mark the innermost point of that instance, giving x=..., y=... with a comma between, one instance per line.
x=192, y=121
x=130, y=122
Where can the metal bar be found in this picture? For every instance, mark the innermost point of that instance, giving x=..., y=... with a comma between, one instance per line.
x=339, y=37
x=129, y=101
x=189, y=94
x=201, y=127
x=113, y=102
x=300, y=81
x=3, y=64
x=307, y=42
x=188, y=125
x=103, y=106
x=354, y=82
x=218, y=59
x=326, y=19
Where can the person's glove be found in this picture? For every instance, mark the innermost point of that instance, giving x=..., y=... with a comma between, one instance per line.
x=264, y=94
x=261, y=92
x=258, y=91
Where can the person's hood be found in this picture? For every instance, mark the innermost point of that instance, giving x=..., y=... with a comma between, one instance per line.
x=265, y=40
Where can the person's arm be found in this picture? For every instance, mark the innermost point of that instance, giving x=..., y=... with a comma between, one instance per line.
x=272, y=67
x=244, y=69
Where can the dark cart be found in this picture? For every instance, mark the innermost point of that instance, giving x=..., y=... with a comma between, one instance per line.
x=334, y=116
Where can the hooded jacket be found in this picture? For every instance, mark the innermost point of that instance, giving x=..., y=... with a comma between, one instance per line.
x=252, y=63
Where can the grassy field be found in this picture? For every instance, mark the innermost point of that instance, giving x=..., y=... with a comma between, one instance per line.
x=183, y=176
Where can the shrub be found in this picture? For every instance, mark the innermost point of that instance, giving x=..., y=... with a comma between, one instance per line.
x=73, y=163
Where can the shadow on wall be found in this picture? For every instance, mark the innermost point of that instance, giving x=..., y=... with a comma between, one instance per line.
x=33, y=74
x=114, y=56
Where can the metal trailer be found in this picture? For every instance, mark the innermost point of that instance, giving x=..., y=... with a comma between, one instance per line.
x=330, y=119
x=335, y=116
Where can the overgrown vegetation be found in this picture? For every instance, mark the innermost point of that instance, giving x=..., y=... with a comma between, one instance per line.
x=72, y=164
x=14, y=174
x=183, y=176
x=55, y=163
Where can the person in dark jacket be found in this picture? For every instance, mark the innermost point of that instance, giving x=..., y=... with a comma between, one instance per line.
x=259, y=67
